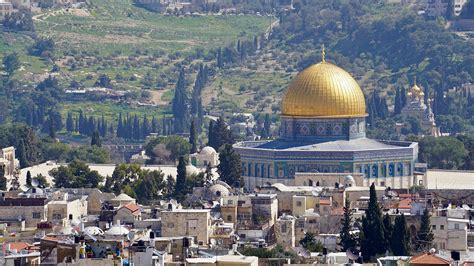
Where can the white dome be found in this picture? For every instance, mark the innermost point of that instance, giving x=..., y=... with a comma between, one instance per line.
x=218, y=190
x=349, y=179
x=117, y=230
x=94, y=231
x=208, y=150
x=191, y=169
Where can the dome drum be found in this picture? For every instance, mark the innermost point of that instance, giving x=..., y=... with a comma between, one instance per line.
x=316, y=130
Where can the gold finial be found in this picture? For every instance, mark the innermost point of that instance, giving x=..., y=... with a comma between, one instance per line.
x=414, y=81
x=323, y=54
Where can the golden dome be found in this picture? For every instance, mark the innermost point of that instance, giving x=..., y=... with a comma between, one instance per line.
x=323, y=90
x=415, y=90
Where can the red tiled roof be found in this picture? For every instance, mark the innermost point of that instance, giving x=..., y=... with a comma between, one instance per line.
x=405, y=204
x=468, y=263
x=51, y=238
x=324, y=202
x=18, y=246
x=428, y=259
x=132, y=207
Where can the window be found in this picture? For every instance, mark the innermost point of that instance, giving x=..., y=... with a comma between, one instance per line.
x=434, y=226
x=230, y=202
x=441, y=227
x=456, y=226
x=284, y=228
x=229, y=218
x=57, y=216
x=36, y=215
x=298, y=203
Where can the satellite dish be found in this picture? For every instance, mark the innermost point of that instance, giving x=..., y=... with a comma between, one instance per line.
x=353, y=253
x=432, y=251
x=35, y=182
x=315, y=193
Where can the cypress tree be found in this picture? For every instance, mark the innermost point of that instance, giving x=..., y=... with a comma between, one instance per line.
x=21, y=154
x=145, y=127
x=403, y=96
x=69, y=122
x=180, y=178
x=154, y=125
x=3, y=180
x=179, y=104
x=81, y=123
x=400, y=240
x=424, y=236
x=52, y=129
x=220, y=62
x=136, y=128
x=103, y=127
x=28, y=178
x=388, y=228
x=372, y=236
x=267, y=124
x=398, y=103
x=211, y=134
x=230, y=168
x=95, y=141
x=120, y=126
x=193, y=138
x=347, y=239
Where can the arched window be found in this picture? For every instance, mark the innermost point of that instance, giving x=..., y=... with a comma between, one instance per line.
x=336, y=185
x=317, y=184
x=229, y=218
x=310, y=182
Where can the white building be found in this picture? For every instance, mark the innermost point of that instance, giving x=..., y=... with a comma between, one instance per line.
x=203, y=158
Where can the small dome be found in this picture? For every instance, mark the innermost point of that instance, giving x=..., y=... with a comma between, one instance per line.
x=123, y=196
x=94, y=231
x=117, y=230
x=208, y=150
x=192, y=170
x=218, y=190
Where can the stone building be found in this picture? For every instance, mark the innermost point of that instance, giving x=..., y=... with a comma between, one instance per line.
x=6, y=8
x=8, y=161
x=285, y=231
x=417, y=108
x=65, y=208
x=187, y=222
x=203, y=158
x=128, y=214
x=30, y=210
x=323, y=130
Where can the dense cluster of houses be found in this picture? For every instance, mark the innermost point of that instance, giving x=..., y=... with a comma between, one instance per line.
x=87, y=226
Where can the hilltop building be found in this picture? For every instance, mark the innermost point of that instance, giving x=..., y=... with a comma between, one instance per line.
x=417, y=108
x=323, y=130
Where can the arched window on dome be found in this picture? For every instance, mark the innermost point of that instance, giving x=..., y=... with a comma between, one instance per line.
x=400, y=169
x=375, y=171
x=391, y=169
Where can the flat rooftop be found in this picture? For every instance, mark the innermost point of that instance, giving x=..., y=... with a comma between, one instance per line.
x=448, y=179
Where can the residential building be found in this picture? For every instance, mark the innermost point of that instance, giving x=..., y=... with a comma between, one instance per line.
x=187, y=222
x=8, y=161
x=6, y=8
x=30, y=210
x=128, y=214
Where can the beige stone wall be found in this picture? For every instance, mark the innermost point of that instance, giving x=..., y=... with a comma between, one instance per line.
x=26, y=212
x=285, y=232
x=326, y=179
x=66, y=209
x=186, y=223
